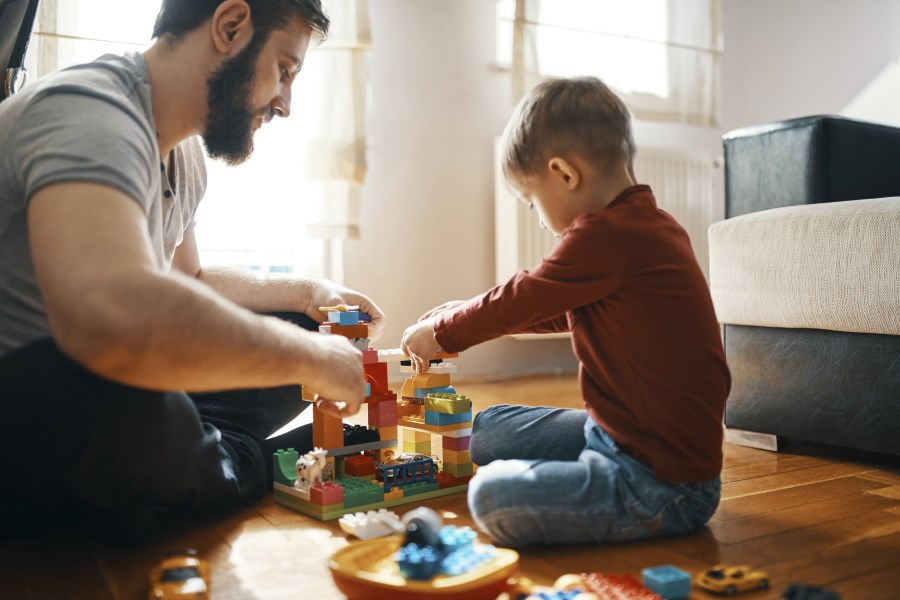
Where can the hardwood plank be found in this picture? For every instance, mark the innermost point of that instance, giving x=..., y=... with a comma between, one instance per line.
x=781, y=464
x=877, y=585
x=790, y=479
x=735, y=508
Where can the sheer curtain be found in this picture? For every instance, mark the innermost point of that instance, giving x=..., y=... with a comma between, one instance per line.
x=661, y=56
x=289, y=207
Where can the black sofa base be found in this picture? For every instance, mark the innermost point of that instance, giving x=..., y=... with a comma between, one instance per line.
x=828, y=387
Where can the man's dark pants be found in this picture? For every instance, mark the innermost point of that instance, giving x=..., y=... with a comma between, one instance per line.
x=80, y=451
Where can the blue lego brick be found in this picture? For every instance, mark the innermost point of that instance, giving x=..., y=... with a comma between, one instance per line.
x=438, y=418
x=444, y=389
x=554, y=595
x=364, y=317
x=453, y=538
x=668, y=581
x=418, y=563
x=350, y=317
x=466, y=558
x=368, y=389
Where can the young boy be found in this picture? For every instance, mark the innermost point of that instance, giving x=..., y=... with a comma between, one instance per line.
x=644, y=459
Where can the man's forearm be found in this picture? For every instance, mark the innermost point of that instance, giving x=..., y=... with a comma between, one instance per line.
x=166, y=331
x=260, y=292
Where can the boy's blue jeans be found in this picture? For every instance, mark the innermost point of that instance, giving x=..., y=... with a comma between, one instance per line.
x=553, y=476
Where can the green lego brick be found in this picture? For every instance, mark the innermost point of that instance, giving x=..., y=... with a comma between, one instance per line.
x=284, y=465
x=359, y=490
x=459, y=470
x=284, y=497
x=421, y=487
x=451, y=404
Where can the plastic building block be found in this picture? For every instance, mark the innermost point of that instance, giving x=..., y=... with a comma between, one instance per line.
x=348, y=317
x=388, y=433
x=359, y=492
x=352, y=332
x=455, y=443
x=370, y=355
x=357, y=434
x=359, y=466
x=378, y=372
x=457, y=457
x=424, y=392
x=417, y=447
x=419, y=487
x=338, y=308
x=445, y=480
x=797, y=591
x=415, y=422
x=284, y=463
x=392, y=355
x=411, y=435
x=447, y=403
x=668, y=581
x=439, y=418
x=371, y=524
x=459, y=470
x=438, y=368
x=617, y=587
x=326, y=493
x=405, y=472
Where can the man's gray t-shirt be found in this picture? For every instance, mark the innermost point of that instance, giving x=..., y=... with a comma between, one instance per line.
x=90, y=123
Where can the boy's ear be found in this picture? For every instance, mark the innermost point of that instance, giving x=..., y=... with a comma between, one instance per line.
x=231, y=27
x=565, y=172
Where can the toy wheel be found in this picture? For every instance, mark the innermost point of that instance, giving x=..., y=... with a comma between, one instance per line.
x=764, y=584
x=730, y=590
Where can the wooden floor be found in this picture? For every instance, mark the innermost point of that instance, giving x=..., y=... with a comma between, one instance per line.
x=808, y=514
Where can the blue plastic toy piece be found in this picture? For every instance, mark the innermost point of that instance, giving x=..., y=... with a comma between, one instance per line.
x=668, y=581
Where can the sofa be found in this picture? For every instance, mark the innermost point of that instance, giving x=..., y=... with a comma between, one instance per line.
x=805, y=278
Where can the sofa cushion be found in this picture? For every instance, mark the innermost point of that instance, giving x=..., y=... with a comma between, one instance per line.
x=832, y=266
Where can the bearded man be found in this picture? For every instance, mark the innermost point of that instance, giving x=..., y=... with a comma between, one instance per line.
x=108, y=320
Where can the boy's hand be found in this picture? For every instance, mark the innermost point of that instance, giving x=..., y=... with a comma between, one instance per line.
x=442, y=308
x=419, y=344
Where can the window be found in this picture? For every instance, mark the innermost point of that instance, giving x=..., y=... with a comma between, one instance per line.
x=661, y=56
x=279, y=211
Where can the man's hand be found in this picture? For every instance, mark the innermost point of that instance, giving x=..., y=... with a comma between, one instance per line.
x=340, y=384
x=450, y=305
x=419, y=344
x=326, y=293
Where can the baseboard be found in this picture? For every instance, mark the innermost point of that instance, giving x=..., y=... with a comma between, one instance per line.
x=751, y=439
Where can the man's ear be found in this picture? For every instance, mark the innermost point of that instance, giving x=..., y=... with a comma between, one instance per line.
x=231, y=27
x=566, y=172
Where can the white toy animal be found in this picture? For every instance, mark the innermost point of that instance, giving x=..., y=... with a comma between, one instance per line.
x=309, y=469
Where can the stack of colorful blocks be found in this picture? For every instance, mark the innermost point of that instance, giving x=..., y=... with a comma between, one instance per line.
x=372, y=475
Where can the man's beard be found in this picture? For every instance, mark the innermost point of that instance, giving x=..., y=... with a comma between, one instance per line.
x=228, y=132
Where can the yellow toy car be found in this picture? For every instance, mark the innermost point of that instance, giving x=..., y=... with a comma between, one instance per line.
x=180, y=575
x=723, y=579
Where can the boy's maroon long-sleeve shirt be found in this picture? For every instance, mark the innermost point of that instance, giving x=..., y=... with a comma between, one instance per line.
x=625, y=282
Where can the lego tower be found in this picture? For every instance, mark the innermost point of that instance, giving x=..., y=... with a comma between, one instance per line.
x=363, y=468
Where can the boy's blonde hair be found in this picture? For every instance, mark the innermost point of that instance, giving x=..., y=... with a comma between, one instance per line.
x=560, y=115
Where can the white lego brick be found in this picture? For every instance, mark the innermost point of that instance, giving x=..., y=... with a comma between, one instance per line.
x=371, y=524
x=326, y=329
x=392, y=355
x=436, y=369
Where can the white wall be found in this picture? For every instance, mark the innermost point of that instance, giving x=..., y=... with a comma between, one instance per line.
x=437, y=105
x=791, y=58
x=427, y=214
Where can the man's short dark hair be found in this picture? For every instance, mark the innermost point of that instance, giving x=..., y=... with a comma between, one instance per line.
x=177, y=17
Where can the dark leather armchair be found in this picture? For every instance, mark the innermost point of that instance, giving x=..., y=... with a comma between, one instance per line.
x=16, y=22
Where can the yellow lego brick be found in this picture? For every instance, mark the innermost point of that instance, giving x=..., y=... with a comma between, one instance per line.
x=451, y=404
x=417, y=448
x=457, y=457
x=424, y=380
x=387, y=433
x=386, y=454
x=394, y=494
x=416, y=437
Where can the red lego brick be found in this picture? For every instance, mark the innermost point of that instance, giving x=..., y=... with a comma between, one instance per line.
x=326, y=493
x=455, y=443
x=379, y=372
x=359, y=466
x=350, y=331
x=370, y=356
x=446, y=480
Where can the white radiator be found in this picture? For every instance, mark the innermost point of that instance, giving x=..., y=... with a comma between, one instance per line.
x=682, y=182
